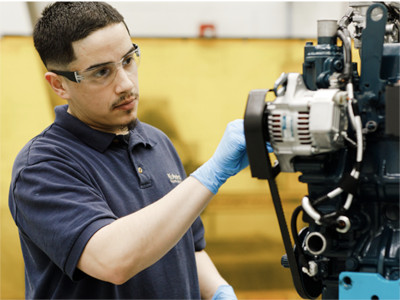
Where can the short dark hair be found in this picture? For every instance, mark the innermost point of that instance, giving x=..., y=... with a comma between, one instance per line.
x=63, y=23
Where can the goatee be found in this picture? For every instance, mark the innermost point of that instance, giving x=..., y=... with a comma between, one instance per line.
x=132, y=125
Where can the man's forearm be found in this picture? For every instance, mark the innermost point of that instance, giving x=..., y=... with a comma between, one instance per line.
x=125, y=247
x=209, y=277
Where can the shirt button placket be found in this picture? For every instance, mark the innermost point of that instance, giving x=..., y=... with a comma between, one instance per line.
x=144, y=178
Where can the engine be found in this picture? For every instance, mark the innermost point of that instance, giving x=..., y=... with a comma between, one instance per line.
x=338, y=127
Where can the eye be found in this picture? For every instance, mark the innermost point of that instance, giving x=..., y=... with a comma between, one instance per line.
x=101, y=72
x=128, y=60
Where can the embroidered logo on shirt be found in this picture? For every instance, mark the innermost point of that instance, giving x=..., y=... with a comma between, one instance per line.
x=174, y=178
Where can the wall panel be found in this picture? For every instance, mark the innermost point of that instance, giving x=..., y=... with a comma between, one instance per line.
x=190, y=88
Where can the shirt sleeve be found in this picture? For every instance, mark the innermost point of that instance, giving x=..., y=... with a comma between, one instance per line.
x=198, y=235
x=58, y=208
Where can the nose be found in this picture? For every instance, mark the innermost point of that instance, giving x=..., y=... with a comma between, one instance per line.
x=124, y=82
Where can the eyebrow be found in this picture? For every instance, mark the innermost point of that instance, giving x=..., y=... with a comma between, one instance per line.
x=106, y=63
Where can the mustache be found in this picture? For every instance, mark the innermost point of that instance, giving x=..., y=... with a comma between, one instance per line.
x=123, y=97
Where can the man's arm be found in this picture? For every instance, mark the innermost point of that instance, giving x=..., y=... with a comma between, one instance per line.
x=125, y=247
x=209, y=277
x=120, y=250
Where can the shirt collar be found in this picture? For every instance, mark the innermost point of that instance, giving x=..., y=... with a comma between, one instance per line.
x=98, y=140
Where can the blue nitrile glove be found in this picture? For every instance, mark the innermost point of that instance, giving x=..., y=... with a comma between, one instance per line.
x=229, y=158
x=224, y=292
x=269, y=147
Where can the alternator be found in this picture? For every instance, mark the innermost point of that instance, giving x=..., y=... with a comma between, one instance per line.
x=303, y=122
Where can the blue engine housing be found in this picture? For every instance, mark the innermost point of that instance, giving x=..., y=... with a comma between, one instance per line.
x=372, y=245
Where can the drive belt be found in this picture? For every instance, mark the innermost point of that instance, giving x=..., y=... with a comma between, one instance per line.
x=256, y=133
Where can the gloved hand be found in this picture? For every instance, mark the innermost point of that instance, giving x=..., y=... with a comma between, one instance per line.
x=224, y=292
x=229, y=158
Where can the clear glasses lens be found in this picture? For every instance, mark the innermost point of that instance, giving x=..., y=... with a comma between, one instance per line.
x=105, y=74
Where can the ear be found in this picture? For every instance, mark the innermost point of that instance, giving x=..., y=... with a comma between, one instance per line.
x=58, y=84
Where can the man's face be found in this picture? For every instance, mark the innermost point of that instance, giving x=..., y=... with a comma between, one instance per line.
x=111, y=107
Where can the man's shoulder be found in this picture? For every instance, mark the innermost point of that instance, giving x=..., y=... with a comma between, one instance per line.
x=150, y=128
x=152, y=132
x=50, y=142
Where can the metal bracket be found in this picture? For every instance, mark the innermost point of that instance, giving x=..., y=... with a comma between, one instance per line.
x=372, y=49
x=358, y=285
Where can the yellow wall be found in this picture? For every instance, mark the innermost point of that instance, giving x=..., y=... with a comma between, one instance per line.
x=191, y=88
x=25, y=111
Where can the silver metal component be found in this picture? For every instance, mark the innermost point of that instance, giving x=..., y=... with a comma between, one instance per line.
x=78, y=77
x=371, y=126
x=376, y=14
x=279, y=85
x=392, y=34
x=334, y=80
x=346, y=137
x=305, y=122
x=310, y=210
x=345, y=224
x=327, y=28
x=359, y=19
x=346, y=19
x=359, y=12
x=316, y=243
x=312, y=269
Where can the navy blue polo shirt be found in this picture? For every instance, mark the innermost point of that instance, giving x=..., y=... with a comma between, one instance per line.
x=72, y=180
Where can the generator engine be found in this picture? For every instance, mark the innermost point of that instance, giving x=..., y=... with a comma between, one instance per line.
x=338, y=127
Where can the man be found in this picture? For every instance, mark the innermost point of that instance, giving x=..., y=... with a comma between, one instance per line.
x=97, y=213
